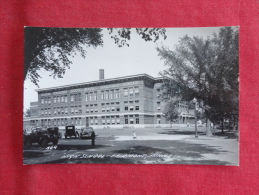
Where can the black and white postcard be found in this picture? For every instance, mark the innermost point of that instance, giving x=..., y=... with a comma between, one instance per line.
x=131, y=96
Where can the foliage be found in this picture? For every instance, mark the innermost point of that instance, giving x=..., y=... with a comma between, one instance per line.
x=171, y=110
x=206, y=69
x=51, y=48
x=27, y=113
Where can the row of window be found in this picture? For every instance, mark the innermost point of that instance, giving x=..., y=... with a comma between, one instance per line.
x=93, y=96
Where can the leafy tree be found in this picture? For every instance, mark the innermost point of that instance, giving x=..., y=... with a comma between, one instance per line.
x=206, y=69
x=50, y=48
x=27, y=113
x=171, y=111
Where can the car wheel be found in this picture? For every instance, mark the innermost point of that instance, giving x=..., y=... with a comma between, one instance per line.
x=27, y=143
x=44, y=142
x=55, y=142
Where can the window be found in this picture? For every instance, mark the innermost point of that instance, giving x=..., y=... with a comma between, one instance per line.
x=107, y=94
x=118, y=109
x=58, y=99
x=131, y=121
x=72, y=110
x=65, y=98
x=113, y=108
x=108, y=109
x=103, y=109
x=102, y=95
x=66, y=111
x=111, y=94
x=137, y=120
x=55, y=111
x=126, y=121
x=86, y=97
x=95, y=95
x=113, y=121
x=117, y=93
x=126, y=108
x=131, y=91
x=131, y=108
x=125, y=92
x=158, y=108
x=72, y=98
x=136, y=91
x=62, y=98
x=91, y=97
x=136, y=107
x=55, y=99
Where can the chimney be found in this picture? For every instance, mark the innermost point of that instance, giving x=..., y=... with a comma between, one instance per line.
x=101, y=74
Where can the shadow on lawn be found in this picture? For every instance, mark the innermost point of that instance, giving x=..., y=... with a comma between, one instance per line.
x=179, y=132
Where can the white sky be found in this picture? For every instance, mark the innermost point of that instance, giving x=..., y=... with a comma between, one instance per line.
x=140, y=57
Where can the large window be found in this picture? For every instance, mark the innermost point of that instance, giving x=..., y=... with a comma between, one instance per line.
x=107, y=94
x=131, y=91
x=137, y=120
x=126, y=121
x=136, y=91
x=125, y=92
x=117, y=93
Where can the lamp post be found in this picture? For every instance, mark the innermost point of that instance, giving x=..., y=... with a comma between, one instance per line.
x=195, y=117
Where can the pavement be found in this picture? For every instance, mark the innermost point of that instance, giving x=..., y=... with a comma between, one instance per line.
x=152, y=146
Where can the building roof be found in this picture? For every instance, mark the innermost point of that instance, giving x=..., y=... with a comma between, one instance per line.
x=101, y=82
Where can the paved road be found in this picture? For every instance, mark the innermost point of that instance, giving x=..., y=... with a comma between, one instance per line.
x=155, y=146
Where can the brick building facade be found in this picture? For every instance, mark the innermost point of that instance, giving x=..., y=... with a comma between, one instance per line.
x=131, y=101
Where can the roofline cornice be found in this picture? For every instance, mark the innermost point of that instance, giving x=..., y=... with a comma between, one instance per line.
x=98, y=82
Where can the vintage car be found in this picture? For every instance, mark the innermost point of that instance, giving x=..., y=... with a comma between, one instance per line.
x=88, y=133
x=71, y=131
x=42, y=136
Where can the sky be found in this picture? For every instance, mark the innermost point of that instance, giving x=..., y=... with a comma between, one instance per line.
x=140, y=57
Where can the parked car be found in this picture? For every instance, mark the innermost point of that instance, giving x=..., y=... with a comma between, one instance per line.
x=88, y=133
x=41, y=136
x=71, y=131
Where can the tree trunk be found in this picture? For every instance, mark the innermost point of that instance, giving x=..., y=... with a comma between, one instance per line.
x=222, y=125
x=208, y=132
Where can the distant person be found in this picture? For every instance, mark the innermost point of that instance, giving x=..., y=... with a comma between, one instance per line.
x=134, y=135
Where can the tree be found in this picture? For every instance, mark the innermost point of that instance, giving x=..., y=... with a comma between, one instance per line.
x=27, y=113
x=206, y=69
x=171, y=111
x=51, y=48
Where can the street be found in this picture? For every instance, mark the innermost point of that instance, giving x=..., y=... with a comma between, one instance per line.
x=152, y=146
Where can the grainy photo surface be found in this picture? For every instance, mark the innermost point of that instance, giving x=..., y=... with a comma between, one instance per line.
x=131, y=95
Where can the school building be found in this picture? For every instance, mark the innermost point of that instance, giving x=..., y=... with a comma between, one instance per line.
x=131, y=101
